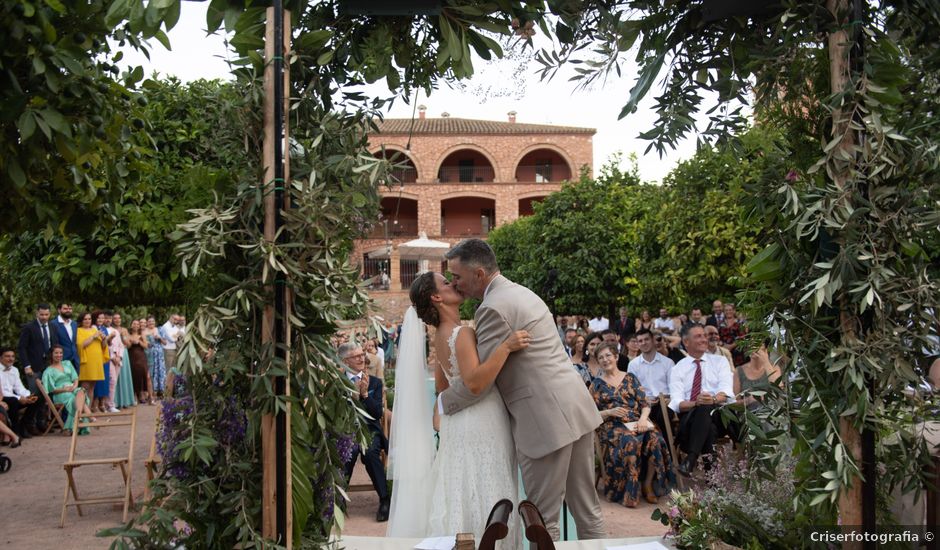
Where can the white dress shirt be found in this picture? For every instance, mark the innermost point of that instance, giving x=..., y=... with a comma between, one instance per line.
x=716, y=378
x=653, y=375
x=10, y=383
x=68, y=327
x=598, y=324
x=666, y=323
x=170, y=330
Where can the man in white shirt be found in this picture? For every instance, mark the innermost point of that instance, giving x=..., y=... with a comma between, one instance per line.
x=599, y=324
x=698, y=385
x=652, y=369
x=664, y=324
x=16, y=397
x=171, y=332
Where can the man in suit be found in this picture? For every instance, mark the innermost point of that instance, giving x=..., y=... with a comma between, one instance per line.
x=65, y=330
x=624, y=326
x=369, y=394
x=552, y=414
x=36, y=339
x=698, y=385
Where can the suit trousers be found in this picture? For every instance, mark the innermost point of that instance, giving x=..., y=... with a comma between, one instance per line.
x=372, y=459
x=17, y=424
x=565, y=475
x=42, y=410
x=698, y=429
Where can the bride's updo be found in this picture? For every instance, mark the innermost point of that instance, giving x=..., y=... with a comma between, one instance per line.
x=421, y=290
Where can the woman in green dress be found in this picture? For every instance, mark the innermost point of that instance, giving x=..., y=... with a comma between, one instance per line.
x=61, y=382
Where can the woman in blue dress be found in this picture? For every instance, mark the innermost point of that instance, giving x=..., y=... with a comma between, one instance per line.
x=155, y=360
x=632, y=449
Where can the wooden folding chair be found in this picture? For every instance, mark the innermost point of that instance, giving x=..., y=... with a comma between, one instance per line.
x=101, y=420
x=534, y=526
x=667, y=422
x=54, y=409
x=497, y=525
x=385, y=430
x=153, y=459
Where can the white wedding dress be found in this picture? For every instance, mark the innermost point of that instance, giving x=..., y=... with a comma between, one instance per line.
x=475, y=466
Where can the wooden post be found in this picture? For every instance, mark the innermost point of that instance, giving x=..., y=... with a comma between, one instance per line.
x=840, y=44
x=275, y=429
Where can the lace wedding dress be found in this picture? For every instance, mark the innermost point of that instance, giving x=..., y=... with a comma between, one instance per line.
x=475, y=465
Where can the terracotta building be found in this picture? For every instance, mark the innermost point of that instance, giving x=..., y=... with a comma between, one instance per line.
x=463, y=178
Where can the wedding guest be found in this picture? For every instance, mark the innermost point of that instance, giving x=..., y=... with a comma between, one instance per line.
x=664, y=323
x=588, y=367
x=584, y=326
x=61, y=382
x=116, y=350
x=698, y=385
x=570, y=335
x=7, y=435
x=628, y=451
x=369, y=390
x=732, y=334
x=652, y=369
x=91, y=352
x=36, y=338
x=624, y=326
x=717, y=318
x=757, y=372
x=714, y=344
x=373, y=363
x=103, y=386
x=645, y=321
x=17, y=398
x=633, y=348
x=137, y=352
x=157, y=340
x=171, y=332
x=577, y=352
x=65, y=332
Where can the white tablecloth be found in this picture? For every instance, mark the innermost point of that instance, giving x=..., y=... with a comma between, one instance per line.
x=378, y=543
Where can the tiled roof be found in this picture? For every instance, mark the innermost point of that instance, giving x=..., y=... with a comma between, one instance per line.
x=451, y=125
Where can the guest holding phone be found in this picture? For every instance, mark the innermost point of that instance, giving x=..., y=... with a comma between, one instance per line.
x=92, y=347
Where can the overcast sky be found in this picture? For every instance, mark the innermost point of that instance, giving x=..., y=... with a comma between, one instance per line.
x=490, y=94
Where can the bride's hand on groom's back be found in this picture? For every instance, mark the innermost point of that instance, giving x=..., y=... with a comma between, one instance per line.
x=518, y=340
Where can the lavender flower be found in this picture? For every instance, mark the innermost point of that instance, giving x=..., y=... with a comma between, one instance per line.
x=346, y=447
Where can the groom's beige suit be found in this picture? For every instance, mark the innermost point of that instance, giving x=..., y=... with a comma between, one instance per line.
x=552, y=414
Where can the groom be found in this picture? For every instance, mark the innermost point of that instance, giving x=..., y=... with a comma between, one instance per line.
x=553, y=416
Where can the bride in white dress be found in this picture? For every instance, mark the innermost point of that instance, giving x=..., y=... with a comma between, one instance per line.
x=475, y=466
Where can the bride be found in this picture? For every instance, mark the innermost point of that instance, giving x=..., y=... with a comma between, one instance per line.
x=475, y=466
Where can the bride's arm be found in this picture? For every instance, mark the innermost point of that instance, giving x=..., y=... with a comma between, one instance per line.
x=478, y=376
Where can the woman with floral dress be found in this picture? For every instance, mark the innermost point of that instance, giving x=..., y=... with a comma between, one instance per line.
x=629, y=452
x=155, y=359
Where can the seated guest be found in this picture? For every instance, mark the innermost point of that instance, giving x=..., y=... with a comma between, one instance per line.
x=629, y=453
x=652, y=369
x=757, y=372
x=714, y=345
x=664, y=323
x=577, y=352
x=695, y=317
x=732, y=334
x=369, y=393
x=61, y=383
x=17, y=398
x=698, y=385
x=632, y=348
x=7, y=435
x=588, y=367
x=568, y=340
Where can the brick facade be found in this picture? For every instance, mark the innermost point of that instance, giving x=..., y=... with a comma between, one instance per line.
x=471, y=176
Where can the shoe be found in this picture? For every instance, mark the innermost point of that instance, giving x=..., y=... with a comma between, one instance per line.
x=649, y=494
x=17, y=443
x=114, y=410
x=382, y=514
x=688, y=466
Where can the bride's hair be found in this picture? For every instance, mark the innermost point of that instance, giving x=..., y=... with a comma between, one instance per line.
x=421, y=290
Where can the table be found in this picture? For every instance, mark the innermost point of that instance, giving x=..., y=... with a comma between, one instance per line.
x=379, y=543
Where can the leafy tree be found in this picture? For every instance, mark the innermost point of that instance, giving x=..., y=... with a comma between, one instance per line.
x=845, y=270
x=70, y=136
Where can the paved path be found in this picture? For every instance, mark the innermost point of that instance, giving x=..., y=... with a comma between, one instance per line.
x=31, y=493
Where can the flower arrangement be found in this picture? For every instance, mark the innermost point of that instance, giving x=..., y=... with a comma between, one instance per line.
x=736, y=506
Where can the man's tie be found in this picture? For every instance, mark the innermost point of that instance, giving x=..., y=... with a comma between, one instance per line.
x=45, y=338
x=697, y=381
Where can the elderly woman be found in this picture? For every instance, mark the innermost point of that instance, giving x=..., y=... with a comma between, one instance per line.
x=631, y=447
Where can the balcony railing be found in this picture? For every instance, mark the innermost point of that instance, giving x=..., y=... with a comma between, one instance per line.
x=404, y=228
x=542, y=173
x=403, y=175
x=466, y=174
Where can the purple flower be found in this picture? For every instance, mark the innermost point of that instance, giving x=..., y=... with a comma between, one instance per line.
x=792, y=175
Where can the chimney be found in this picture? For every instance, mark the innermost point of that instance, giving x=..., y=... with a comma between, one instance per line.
x=512, y=117
x=421, y=110
x=445, y=114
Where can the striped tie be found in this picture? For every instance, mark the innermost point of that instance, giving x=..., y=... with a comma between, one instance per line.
x=697, y=381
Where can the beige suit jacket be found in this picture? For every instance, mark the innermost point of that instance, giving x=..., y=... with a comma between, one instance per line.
x=549, y=405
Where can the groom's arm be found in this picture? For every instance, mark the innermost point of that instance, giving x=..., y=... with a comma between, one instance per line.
x=492, y=329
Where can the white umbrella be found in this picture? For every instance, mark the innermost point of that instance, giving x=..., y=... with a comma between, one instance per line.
x=423, y=248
